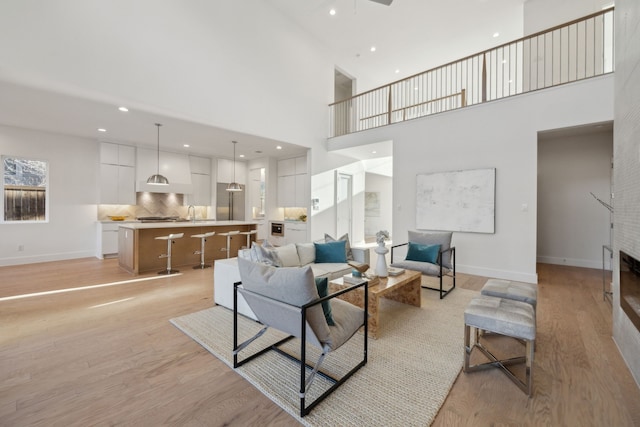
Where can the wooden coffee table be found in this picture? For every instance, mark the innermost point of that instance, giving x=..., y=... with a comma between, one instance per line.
x=404, y=288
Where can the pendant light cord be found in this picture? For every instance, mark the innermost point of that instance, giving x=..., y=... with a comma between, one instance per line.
x=158, y=162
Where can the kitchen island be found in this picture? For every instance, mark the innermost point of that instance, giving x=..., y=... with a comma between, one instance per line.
x=139, y=251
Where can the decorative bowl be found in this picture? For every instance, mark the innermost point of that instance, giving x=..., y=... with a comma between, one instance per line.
x=117, y=217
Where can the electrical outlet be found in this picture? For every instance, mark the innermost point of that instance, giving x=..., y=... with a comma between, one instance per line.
x=20, y=248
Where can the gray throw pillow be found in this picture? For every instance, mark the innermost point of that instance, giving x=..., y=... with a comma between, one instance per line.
x=347, y=246
x=265, y=256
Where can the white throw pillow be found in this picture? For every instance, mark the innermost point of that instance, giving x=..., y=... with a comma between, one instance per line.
x=306, y=253
x=288, y=255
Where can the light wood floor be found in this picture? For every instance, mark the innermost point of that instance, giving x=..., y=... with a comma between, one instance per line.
x=109, y=356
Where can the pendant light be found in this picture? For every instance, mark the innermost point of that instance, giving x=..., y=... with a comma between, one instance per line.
x=158, y=179
x=234, y=186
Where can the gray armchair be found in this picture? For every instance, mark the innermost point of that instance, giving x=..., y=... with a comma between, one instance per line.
x=431, y=253
x=287, y=299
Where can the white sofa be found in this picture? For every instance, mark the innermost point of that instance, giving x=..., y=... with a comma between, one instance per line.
x=226, y=272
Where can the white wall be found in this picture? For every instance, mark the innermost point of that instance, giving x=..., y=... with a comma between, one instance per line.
x=572, y=225
x=500, y=134
x=73, y=182
x=383, y=185
x=626, y=169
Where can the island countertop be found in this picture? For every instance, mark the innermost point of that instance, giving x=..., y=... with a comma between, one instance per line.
x=183, y=224
x=139, y=250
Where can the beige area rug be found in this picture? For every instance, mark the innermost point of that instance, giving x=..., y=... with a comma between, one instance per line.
x=410, y=370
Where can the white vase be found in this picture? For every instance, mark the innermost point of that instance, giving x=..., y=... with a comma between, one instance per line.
x=381, y=266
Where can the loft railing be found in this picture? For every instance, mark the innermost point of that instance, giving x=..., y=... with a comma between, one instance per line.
x=574, y=51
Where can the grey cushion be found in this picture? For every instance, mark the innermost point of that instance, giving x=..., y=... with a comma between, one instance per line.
x=348, y=318
x=291, y=285
x=347, y=246
x=442, y=238
x=306, y=252
x=525, y=292
x=423, y=267
x=265, y=256
x=502, y=316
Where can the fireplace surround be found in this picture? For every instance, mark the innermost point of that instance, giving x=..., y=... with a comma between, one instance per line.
x=630, y=287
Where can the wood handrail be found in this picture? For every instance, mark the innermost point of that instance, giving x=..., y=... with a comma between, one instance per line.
x=484, y=52
x=389, y=112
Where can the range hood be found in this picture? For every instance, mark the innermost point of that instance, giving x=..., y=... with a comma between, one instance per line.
x=172, y=165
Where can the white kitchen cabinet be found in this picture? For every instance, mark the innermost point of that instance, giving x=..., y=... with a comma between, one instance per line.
x=126, y=155
x=117, y=154
x=201, y=195
x=200, y=165
x=200, y=181
x=117, y=185
x=117, y=174
x=293, y=186
x=286, y=191
x=225, y=171
x=286, y=167
x=301, y=165
x=295, y=232
x=108, y=235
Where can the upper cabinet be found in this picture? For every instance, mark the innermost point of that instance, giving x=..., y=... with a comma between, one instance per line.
x=174, y=166
x=226, y=168
x=293, y=183
x=117, y=174
x=200, y=181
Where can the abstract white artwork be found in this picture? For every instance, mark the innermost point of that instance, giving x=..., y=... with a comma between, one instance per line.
x=456, y=201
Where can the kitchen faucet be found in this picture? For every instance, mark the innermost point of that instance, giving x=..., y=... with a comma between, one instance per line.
x=191, y=212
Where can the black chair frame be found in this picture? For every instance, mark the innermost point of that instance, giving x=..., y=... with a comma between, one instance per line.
x=452, y=271
x=304, y=408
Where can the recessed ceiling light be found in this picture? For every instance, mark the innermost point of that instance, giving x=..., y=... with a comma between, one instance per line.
x=241, y=155
x=332, y=12
x=186, y=146
x=278, y=148
x=397, y=71
x=496, y=35
x=101, y=130
x=504, y=61
x=374, y=152
x=123, y=109
x=373, y=49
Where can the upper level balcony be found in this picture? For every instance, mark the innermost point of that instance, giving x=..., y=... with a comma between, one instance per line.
x=574, y=51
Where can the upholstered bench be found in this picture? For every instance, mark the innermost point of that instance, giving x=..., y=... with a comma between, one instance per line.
x=518, y=291
x=515, y=319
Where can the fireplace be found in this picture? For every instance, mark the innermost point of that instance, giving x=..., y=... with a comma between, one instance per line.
x=630, y=287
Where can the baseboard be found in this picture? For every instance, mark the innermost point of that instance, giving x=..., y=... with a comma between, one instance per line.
x=4, y=262
x=498, y=274
x=573, y=262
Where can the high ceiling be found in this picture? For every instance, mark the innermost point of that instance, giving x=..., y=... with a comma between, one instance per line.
x=408, y=36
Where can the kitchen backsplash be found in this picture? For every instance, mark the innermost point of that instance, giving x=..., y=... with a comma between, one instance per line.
x=152, y=204
x=295, y=214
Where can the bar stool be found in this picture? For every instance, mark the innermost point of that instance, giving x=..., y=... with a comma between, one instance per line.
x=170, y=239
x=203, y=239
x=228, y=235
x=249, y=234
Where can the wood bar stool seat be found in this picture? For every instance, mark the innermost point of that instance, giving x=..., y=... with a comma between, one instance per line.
x=203, y=238
x=170, y=240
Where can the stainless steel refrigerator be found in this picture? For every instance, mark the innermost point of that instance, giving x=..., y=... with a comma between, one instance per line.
x=229, y=204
